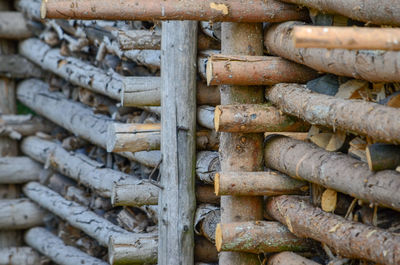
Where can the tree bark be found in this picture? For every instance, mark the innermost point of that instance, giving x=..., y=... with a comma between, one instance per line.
x=383, y=156
x=16, y=126
x=255, y=70
x=19, y=256
x=134, y=195
x=366, y=118
x=177, y=202
x=20, y=214
x=17, y=170
x=205, y=194
x=256, y=11
x=13, y=26
x=366, y=11
x=289, y=258
x=207, y=164
x=17, y=66
x=30, y=8
x=255, y=118
x=349, y=239
x=269, y=183
x=351, y=38
x=373, y=66
x=241, y=152
x=54, y=248
x=336, y=171
x=257, y=237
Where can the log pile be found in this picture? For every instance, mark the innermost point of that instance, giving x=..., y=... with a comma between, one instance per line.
x=126, y=140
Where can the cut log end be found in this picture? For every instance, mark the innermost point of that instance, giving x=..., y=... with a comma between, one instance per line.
x=209, y=73
x=216, y=184
x=218, y=237
x=43, y=9
x=217, y=114
x=111, y=138
x=369, y=159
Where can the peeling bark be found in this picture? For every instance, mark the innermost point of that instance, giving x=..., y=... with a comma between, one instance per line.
x=20, y=214
x=134, y=195
x=14, y=170
x=207, y=165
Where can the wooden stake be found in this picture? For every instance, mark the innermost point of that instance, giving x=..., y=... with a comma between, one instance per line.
x=383, y=156
x=17, y=170
x=352, y=38
x=19, y=255
x=20, y=214
x=289, y=258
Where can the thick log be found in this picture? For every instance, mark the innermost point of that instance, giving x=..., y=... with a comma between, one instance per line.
x=370, y=65
x=268, y=183
x=21, y=169
x=17, y=66
x=75, y=214
x=289, y=258
x=134, y=195
x=178, y=142
x=383, y=156
x=16, y=126
x=255, y=70
x=351, y=38
x=256, y=11
x=20, y=214
x=253, y=118
x=205, y=194
x=54, y=248
x=19, y=256
x=75, y=117
x=205, y=116
x=366, y=11
x=83, y=169
x=13, y=25
x=257, y=237
x=205, y=221
x=207, y=95
x=366, y=118
x=295, y=135
x=133, y=137
x=349, y=239
x=300, y=160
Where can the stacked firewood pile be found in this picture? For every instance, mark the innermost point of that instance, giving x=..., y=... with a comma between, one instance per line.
x=307, y=168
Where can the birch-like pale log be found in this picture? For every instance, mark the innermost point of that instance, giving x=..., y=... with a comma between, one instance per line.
x=19, y=256
x=207, y=164
x=53, y=247
x=20, y=214
x=13, y=25
x=75, y=214
x=17, y=66
x=18, y=169
x=205, y=221
x=30, y=8
x=83, y=169
x=134, y=195
x=205, y=116
x=16, y=126
x=75, y=117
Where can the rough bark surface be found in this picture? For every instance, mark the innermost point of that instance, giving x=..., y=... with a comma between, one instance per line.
x=19, y=256
x=370, y=65
x=347, y=238
x=17, y=66
x=16, y=126
x=20, y=214
x=13, y=26
x=336, y=171
x=366, y=118
x=20, y=169
x=30, y=8
x=289, y=258
x=205, y=116
x=134, y=195
x=54, y=248
x=255, y=11
x=207, y=164
x=206, y=219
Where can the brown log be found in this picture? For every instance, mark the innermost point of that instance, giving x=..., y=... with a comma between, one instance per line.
x=205, y=194
x=347, y=238
x=207, y=164
x=19, y=169
x=17, y=66
x=30, y=8
x=370, y=65
x=268, y=183
x=300, y=160
x=383, y=156
x=366, y=118
x=255, y=70
x=205, y=42
x=16, y=126
x=289, y=258
x=13, y=25
x=204, y=250
x=251, y=118
x=351, y=38
x=366, y=11
x=257, y=237
x=256, y=11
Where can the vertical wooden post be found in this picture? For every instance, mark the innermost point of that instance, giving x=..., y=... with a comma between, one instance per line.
x=8, y=147
x=241, y=152
x=177, y=202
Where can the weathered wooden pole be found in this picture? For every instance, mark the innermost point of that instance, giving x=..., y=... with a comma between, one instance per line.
x=177, y=201
x=241, y=152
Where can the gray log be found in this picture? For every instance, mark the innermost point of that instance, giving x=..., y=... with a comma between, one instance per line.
x=31, y=8
x=20, y=214
x=13, y=25
x=17, y=66
x=139, y=39
x=19, y=256
x=18, y=170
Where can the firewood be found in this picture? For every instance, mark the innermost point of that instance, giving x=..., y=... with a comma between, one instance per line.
x=205, y=221
x=251, y=118
x=257, y=237
x=18, y=170
x=91, y=127
x=376, y=66
x=205, y=42
x=207, y=164
x=289, y=258
x=299, y=160
x=19, y=256
x=367, y=12
x=205, y=116
x=82, y=169
x=347, y=238
x=257, y=11
x=132, y=195
x=383, y=156
x=352, y=38
x=139, y=39
x=205, y=194
x=330, y=141
x=16, y=126
x=365, y=118
x=204, y=250
x=207, y=95
x=295, y=135
x=268, y=183
x=54, y=248
x=13, y=25
x=207, y=140
x=30, y=8
x=20, y=214
x=255, y=70
x=17, y=66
